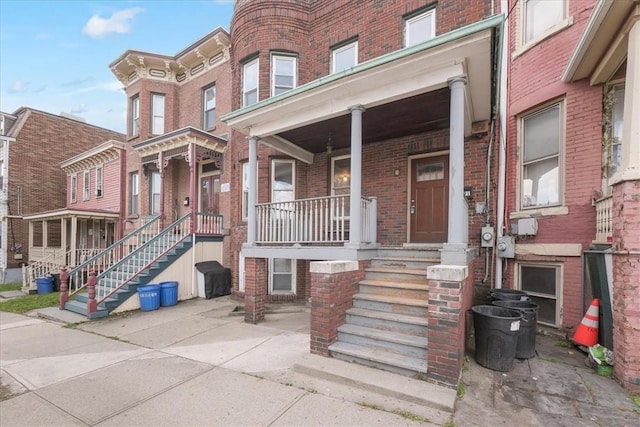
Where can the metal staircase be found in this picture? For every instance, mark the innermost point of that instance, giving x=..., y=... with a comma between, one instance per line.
x=387, y=326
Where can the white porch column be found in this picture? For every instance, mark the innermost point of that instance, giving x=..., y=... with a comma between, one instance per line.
x=455, y=250
x=630, y=167
x=356, y=175
x=253, y=196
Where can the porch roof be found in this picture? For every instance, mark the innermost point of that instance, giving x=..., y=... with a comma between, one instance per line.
x=69, y=213
x=602, y=47
x=177, y=142
x=404, y=92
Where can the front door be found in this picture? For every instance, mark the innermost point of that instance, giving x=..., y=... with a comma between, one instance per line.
x=429, y=204
x=210, y=194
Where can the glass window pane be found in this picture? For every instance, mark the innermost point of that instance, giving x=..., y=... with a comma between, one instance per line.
x=541, y=183
x=344, y=58
x=542, y=15
x=341, y=174
x=540, y=280
x=430, y=172
x=546, y=309
x=282, y=282
x=541, y=134
x=282, y=265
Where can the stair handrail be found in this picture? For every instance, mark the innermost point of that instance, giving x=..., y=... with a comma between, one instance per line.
x=179, y=227
x=109, y=255
x=43, y=266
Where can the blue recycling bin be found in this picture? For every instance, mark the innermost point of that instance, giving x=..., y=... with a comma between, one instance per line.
x=168, y=294
x=44, y=284
x=149, y=296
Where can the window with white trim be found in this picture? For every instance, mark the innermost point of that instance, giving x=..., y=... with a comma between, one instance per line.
x=283, y=73
x=74, y=188
x=340, y=185
x=614, y=123
x=282, y=276
x=154, y=200
x=344, y=57
x=99, y=181
x=541, y=137
x=245, y=190
x=250, y=83
x=134, y=191
x=86, y=186
x=157, y=114
x=420, y=28
x=135, y=116
x=540, y=16
x=240, y=272
x=542, y=282
x=282, y=180
x=209, y=107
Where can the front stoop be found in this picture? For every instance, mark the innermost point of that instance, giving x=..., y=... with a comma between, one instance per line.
x=387, y=326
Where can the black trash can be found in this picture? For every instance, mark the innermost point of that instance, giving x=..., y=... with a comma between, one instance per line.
x=496, y=332
x=526, y=347
x=508, y=295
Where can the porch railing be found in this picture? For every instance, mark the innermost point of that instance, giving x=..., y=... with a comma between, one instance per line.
x=53, y=262
x=321, y=220
x=209, y=224
x=604, y=221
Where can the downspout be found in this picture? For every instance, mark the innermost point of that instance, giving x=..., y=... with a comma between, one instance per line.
x=502, y=151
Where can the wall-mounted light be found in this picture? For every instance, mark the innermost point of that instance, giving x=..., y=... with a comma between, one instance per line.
x=396, y=172
x=186, y=201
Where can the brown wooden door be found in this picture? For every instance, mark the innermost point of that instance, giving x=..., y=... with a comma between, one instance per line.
x=210, y=194
x=429, y=204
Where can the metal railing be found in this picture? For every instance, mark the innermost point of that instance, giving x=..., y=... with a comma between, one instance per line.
x=604, y=219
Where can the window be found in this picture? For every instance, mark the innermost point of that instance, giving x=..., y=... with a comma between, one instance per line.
x=154, y=200
x=157, y=114
x=250, y=83
x=245, y=191
x=86, y=186
x=614, y=108
x=344, y=57
x=209, y=107
x=541, y=139
x=420, y=28
x=341, y=185
x=74, y=188
x=542, y=284
x=133, y=193
x=241, y=273
x=282, y=180
x=283, y=74
x=99, y=181
x=540, y=16
x=282, y=277
x=135, y=116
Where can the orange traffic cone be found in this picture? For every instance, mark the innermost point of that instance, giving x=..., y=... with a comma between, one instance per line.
x=587, y=332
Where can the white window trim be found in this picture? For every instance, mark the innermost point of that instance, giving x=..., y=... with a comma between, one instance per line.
x=409, y=21
x=134, y=209
x=205, y=125
x=135, y=115
x=521, y=45
x=559, y=287
x=341, y=49
x=86, y=186
x=244, y=207
x=241, y=272
x=99, y=182
x=557, y=208
x=292, y=58
x=152, y=191
x=244, y=81
x=293, y=176
x=293, y=278
x=154, y=113
x=74, y=188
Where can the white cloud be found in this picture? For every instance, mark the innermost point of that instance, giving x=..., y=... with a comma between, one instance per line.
x=98, y=27
x=18, y=86
x=80, y=108
x=112, y=86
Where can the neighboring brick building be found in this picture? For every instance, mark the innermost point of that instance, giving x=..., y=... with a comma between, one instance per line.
x=33, y=180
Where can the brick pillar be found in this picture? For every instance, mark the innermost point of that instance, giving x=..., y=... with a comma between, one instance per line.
x=626, y=283
x=450, y=296
x=256, y=286
x=333, y=285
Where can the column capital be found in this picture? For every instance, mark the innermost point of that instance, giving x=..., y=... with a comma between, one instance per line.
x=358, y=107
x=453, y=80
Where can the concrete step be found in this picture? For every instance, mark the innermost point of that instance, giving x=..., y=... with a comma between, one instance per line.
x=379, y=339
x=389, y=304
x=411, y=251
x=415, y=275
x=396, y=288
x=409, y=325
x=376, y=358
x=404, y=262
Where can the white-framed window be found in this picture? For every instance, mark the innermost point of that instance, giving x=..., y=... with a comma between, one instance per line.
x=86, y=185
x=541, y=136
x=99, y=181
x=245, y=190
x=157, y=114
x=283, y=180
x=154, y=199
x=284, y=73
x=134, y=191
x=614, y=108
x=543, y=284
x=209, y=107
x=340, y=185
x=74, y=188
x=135, y=115
x=540, y=17
x=240, y=272
x=250, y=83
x=344, y=57
x=420, y=28
x=282, y=276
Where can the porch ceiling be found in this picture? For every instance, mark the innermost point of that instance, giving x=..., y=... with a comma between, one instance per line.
x=179, y=140
x=404, y=92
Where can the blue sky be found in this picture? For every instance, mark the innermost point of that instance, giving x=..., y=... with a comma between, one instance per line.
x=55, y=55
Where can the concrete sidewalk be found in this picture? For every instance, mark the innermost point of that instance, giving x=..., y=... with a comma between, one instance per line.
x=194, y=364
